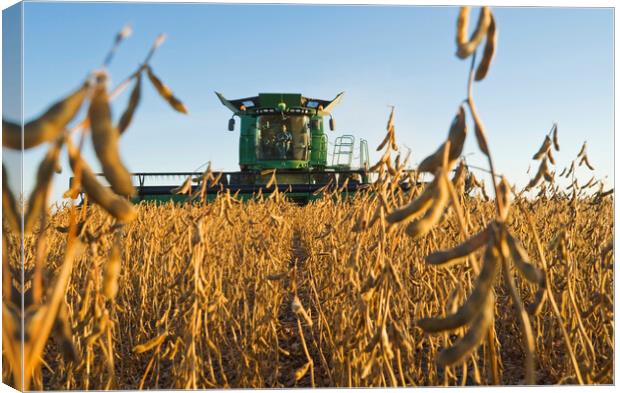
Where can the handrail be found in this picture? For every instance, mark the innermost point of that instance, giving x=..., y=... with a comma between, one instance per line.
x=142, y=176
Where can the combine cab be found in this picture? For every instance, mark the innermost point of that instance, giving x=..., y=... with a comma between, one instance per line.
x=284, y=133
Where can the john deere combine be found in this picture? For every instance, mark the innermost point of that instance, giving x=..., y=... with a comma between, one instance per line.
x=281, y=133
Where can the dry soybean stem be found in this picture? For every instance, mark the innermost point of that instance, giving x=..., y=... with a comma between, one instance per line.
x=524, y=321
x=554, y=306
x=491, y=334
x=305, y=347
x=461, y=218
x=472, y=107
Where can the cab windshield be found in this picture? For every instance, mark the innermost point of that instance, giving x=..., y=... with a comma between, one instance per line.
x=282, y=137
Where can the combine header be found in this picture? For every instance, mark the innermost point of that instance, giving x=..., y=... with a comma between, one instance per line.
x=281, y=133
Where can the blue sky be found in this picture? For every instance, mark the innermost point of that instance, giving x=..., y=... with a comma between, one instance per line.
x=552, y=64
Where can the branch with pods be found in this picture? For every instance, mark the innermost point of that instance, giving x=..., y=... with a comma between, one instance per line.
x=44, y=309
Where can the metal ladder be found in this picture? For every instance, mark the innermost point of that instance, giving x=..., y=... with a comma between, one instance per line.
x=343, y=151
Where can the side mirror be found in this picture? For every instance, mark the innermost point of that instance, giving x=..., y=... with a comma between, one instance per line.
x=231, y=124
x=332, y=123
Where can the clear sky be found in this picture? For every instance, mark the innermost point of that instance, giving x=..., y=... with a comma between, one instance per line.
x=552, y=65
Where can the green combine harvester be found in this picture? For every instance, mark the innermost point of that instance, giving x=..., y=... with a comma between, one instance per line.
x=281, y=132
